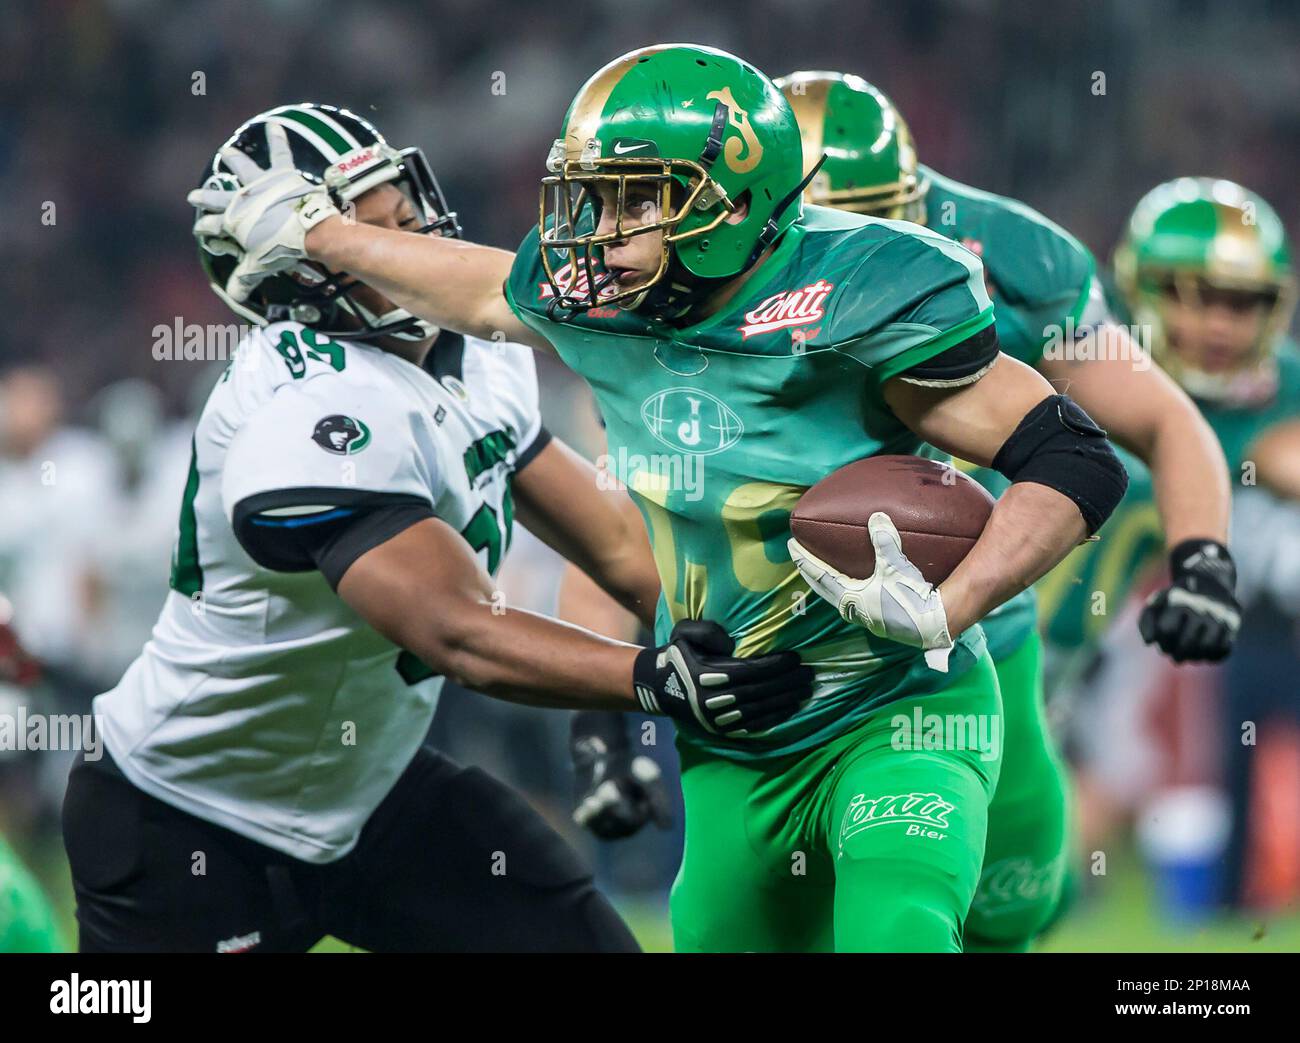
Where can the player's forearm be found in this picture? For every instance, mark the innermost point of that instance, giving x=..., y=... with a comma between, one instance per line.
x=627, y=570
x=1276, y=456
x=561, y=498
x=584, y=604
x=1190, y=477
x=523, y=657
x=1143, y=410
x=1030, y=530
x=449, y=282
x=1152, y=417
x=622, y=579
x=634, y=585
x=425, y=591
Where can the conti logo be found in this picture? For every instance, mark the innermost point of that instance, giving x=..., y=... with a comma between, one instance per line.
x=924, y=814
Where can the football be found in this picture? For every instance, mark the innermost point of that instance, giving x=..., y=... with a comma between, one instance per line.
x=939, y=512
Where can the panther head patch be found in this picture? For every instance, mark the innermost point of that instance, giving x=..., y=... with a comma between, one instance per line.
x=340, y=434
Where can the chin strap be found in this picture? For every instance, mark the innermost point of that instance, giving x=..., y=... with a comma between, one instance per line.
x=772, y=228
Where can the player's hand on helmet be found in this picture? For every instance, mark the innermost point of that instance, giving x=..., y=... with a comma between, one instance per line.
x=1196, y=617
x=267, y=219
x=619, y=790
x=895, y=602
x=695, y=678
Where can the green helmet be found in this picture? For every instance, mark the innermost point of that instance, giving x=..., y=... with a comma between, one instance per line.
x=1196, y=232
x=870, y=163
x=703, y=127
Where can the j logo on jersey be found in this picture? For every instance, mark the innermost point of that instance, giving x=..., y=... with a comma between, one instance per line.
x=340, y=434
x=691, y=421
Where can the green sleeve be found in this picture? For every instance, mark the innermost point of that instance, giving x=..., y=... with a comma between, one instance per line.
x=1043, y=288
x=27, y=922
x=940, y=296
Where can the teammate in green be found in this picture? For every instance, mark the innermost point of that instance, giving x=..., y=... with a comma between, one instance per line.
x=26, y=919
x=1205, y=266
x=741, y=347
x=1050, y=314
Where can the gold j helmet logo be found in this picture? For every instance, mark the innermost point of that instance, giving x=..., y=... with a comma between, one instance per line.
x=744, y=153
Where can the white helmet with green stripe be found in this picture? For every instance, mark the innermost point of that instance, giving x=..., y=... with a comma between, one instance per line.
x=339, y=149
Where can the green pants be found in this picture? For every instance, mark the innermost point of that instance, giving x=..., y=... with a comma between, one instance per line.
x=871, y=843
x=1025, y=855
x=26, y=920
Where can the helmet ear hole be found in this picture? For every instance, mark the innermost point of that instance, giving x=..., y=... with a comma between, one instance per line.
x=743, y=203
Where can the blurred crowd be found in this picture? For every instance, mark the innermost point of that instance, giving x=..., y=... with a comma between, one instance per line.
x=113, y=108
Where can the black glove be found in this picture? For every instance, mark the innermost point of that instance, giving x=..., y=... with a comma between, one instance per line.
x=618, y=791
x=694, y=678
x=1196, y=617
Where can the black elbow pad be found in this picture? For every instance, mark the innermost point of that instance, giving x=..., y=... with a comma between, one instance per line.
x=1058, y=445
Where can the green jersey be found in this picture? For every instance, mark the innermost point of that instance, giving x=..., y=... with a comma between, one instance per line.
x=1040, y=278
x=1079, y=595
x=27, y=922
x=718, y=428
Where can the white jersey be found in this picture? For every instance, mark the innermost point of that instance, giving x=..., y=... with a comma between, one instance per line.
x=262, y=702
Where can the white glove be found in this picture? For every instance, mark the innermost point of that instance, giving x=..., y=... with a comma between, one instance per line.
x=896, y=602
x=268, y=218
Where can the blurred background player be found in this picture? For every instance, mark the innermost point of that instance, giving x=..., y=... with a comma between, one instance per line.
x=1204, y=271
x=27, y=920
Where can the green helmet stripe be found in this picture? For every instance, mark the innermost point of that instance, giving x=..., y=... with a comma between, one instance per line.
x=339, y=127
x=330, y=133
x=317, y=143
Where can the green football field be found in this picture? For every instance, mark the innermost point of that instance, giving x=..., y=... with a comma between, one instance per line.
x=1120, y=914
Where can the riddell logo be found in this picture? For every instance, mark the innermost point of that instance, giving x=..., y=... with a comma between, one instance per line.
x=787, y=309
x=360, y=159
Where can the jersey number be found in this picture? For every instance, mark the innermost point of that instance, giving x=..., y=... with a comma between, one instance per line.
x=187, y=574
x=296, y=347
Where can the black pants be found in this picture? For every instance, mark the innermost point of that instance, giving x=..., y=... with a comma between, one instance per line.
x=451, y=861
